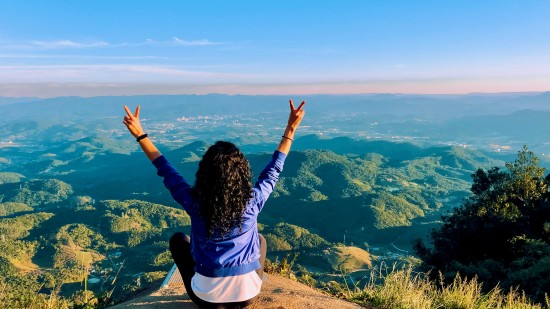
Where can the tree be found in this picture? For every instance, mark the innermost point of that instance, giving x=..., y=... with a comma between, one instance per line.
x=501, y=233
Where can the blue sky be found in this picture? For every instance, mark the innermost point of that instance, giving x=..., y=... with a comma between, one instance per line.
x=282, y=47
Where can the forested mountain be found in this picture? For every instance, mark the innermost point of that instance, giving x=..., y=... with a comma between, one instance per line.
x=82, y=208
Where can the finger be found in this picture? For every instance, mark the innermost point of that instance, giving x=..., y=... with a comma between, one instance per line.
x=300, y=107
x=137, y=111
x=291, y=105
x=127, y=111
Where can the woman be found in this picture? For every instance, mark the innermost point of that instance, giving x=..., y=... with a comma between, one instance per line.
x=222, y=261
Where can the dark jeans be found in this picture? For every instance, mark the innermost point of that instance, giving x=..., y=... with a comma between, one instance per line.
x=181, y=253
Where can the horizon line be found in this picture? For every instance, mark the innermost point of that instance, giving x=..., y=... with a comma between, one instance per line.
x=410, y=87
x=286, y=94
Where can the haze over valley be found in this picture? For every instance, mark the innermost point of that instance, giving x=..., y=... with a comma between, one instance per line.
x=497, y=122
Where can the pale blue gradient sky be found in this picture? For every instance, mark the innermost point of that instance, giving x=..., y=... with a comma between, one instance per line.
x=134, y=47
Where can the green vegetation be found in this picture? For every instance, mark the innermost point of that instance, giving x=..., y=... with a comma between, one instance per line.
x=366, y=196
x=501, y=234
x=498, y=238
x=284, y=237
x=348, y=259
x=133, y=222
x=391, y=210
x=38, y=192
x=18, y=251
x=10, y=208
x=337, y=213
x=24, y=292
x=45, y=257
x=19, y=227
x=8, y=177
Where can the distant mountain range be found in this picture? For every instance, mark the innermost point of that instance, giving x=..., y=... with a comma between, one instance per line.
x=491, y=122
x=160, y=107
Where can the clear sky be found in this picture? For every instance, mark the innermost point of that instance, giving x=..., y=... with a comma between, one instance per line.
x=273, y=47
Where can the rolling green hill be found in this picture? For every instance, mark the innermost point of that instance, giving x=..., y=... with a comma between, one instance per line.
x=90, y=207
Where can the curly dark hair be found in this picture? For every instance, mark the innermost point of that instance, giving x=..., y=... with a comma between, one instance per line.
x=223, y=187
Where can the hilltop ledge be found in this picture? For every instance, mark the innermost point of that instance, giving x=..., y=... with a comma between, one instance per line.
x=277, y=293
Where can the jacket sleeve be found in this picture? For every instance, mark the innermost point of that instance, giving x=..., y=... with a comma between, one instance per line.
x=267, y=180
x=174, y=182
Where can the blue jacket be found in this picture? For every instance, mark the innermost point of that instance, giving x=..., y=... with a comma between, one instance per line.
x=239, y=252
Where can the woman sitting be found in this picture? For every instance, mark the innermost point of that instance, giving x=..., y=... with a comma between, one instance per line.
x=222, y=261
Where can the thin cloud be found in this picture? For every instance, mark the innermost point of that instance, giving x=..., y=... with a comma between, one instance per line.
x=112, y=73
x=175, y=42
x=67, y=44
x=399, y=66
x=203, y=42
x=40, y=56
x=70, y=44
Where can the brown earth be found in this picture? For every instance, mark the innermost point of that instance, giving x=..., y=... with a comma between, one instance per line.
x=277, y=293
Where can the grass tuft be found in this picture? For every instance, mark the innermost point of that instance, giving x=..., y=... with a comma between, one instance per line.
x=403, y=288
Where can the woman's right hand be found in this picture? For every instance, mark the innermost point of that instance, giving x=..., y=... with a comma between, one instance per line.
x=134, y=126
x=294, y=119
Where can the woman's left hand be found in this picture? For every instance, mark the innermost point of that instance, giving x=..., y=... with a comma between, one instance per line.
x=132, y=122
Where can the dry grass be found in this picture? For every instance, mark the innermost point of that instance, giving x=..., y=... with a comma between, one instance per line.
x=403, y=288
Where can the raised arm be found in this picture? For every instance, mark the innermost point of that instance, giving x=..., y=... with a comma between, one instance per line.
x=270, y=175
x=134, y=126
x=294, y=119
x=173, y=181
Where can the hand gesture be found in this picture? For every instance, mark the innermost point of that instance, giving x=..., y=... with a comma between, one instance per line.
x=132, y=122
x=296, y=115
